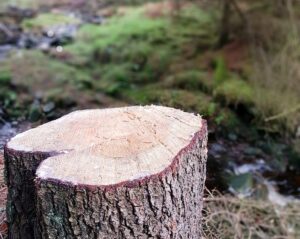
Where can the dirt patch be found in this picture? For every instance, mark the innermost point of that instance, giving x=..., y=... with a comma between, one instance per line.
x=235, y=54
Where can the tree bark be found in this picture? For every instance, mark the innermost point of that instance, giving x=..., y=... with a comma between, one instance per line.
x=73, y=193
x=20, y=168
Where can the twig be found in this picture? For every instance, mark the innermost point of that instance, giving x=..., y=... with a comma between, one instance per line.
x=284, y=113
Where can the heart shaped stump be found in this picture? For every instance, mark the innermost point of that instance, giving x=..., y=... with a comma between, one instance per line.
x=131, y=172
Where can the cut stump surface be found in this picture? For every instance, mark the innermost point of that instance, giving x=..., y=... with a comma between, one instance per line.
x=131, y=172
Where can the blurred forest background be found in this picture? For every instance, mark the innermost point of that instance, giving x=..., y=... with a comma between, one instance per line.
x=236, y=62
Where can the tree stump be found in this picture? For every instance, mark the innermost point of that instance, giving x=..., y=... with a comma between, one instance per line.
x=131, y=172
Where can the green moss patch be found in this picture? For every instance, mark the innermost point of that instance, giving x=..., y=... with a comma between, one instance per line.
x=235, y=91
x=47, y=20
x=190, y=80
x=36, y=76
x=183, y=99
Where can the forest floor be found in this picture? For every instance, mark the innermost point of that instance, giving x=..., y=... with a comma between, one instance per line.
x=65, y=56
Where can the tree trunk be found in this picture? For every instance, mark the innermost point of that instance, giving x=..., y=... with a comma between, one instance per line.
x=20, y=168
x=225, y=23
x=132, y=172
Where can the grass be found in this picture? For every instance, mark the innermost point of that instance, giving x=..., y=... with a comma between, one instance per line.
x=229, y=217
x=276, y=80
x=274, y=76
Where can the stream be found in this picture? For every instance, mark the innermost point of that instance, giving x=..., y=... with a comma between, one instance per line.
x=246, y=169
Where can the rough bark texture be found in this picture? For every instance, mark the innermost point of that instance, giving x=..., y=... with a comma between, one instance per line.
x=165, y=205
x=20, y=168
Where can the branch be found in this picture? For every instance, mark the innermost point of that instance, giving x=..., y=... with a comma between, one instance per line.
x=284, y=113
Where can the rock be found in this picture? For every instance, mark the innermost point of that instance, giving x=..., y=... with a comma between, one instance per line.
x=60, y=35
x=48, y=107
x=19, y=13
x=232, y=137
x=252, y=151
x=6, y=35
x=35, y=112
x=28, y=41
x=93, y=19
x=216, y=150
x=241, y=184
x=4, y=51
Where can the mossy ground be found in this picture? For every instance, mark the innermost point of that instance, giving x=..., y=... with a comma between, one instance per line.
x=141, y=58
x=131, y=57
x=47, y=20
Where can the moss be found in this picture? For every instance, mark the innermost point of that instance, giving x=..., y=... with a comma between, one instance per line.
x=153, y=94
x=5, y=77
x=145, y=63
x=190, y=80
x=196, y=25
x=119, y=30
x=61, y=97
x=137, y=52
x=135, y=37
x=8, y=96
x=35, y=75
x=113, y=78
x=45, y=20
x=235, y=91
x=79, y=54
x=227, y=119
x=36, y=71
x=221, y=72
x=190, y=101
